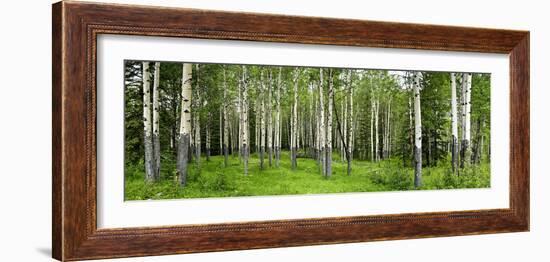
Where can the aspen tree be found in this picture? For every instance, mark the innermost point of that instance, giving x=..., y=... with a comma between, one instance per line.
x=466, y=113
x=225, y=122
x=417, y=132
x=328, y=158
x=147, y=142
x=278, y=121
x=322, y=138
x=262, y=119
x=269, y=120
x=185, y=124
x=294, y=132
x=156, y=121
x=454, y=124
x=197, y=120
x=350, y=121
x=245, y=130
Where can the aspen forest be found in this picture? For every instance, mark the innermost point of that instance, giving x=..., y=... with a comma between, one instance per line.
x=219, y=130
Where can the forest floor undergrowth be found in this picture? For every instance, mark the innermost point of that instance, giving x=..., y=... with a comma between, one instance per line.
x=212, y=179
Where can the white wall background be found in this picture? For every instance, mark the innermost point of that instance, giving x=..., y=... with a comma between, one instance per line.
x=25, y=130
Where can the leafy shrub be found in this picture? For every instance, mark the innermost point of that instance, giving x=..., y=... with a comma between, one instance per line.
x=393, y=178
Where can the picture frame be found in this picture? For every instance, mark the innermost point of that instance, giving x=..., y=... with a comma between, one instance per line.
x=75, y=28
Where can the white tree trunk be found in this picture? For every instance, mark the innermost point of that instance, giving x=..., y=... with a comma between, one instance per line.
x=269, y=120
x=466, y=110
x=156, y=121
x=350, y=121
x=322, y=130
x=454, y=124
x=185, y=124
x=240, y=117
x=244, y=132
x=225, y=122
x=328, y=158
x=373, y=106
x=317, y=128
x=387, y=130
x=262, y=119
x=311, y=123
x=417, y=132
x=148, y=143
x=208, y=136
x=278, y=121
x=376, y=137
x=345, y=129
x=294, y=131
x=257, y=126
x=411, y=126
x=197, y=120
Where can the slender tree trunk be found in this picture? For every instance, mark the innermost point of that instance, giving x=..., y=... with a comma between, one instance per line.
x=328, y=158
x=372, y=110
x=466, y=91
x=289, y=133
x=417, y=133
x=262, y=120
x=411, y=127
x=245, y=131
x=231, y=144
x=482, y=142
x=278, y=121
x=376, y=130
x=317, y=130
x=385, y=133
x=225, y=122
x=454, y=124
x=294, y=131
x=341, y=131
x=350, y=121
x=345, y=105
x=342, y=141
x=175, y=104
x=269, y=120
x=185, y=125
x=298, y=136
x=429, y=153
x=311, y=123
x=388, y=139
x=322, y=139
x=156, y=121
x=197, y=120
x=478, y=138
x=192, y=135
x=257, y=126
x=240, y=118
x=148, y=146
x=208, y=137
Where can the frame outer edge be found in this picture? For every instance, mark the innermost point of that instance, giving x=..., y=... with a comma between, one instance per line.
x=57, y=82
x=72, y=240
x=520, y=90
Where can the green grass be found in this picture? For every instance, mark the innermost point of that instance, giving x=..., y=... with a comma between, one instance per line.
x=212, y=179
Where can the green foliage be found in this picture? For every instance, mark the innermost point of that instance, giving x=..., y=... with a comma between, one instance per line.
x=389, y=89
x=442, y=177
x=212, y=180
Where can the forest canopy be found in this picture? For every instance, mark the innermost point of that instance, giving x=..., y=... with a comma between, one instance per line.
x=216, y=130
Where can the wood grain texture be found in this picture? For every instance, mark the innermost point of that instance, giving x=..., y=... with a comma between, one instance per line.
x=57, y=198
x=76, y=26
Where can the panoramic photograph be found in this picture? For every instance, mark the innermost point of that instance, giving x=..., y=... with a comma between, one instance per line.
x=198, y=130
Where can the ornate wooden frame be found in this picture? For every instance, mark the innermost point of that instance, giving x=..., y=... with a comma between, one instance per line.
x=75, y=29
